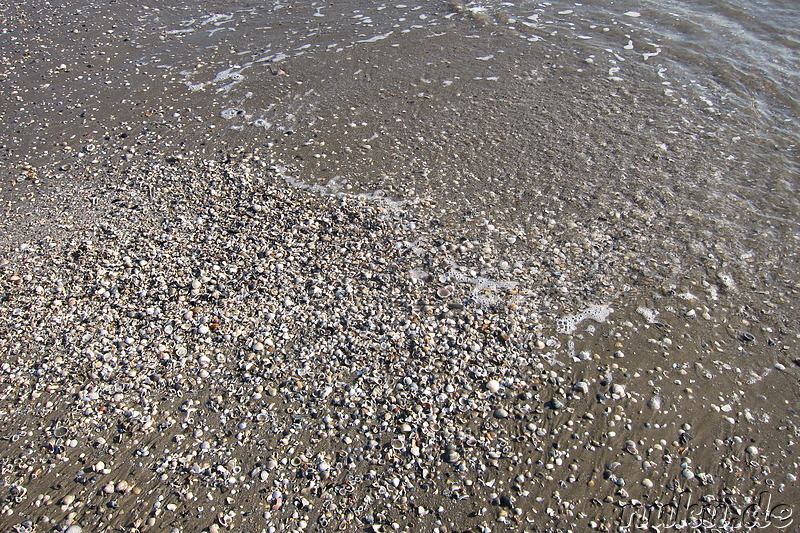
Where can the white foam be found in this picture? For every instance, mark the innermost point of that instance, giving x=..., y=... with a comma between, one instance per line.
x=216, y=19
x=229, y=113
x=568, y=324
x=376, y=38
x=262, y=123
x=180, y=32
x=485, y=292
x=727, y=281
x=648, y=314
x=417, y=275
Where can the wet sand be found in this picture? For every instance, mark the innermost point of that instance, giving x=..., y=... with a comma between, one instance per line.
x=213, y=347
x=489, y=317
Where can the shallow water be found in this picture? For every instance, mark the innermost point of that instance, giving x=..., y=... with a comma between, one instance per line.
x=508, y=115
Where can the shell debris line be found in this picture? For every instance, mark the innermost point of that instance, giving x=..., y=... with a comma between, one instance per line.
x=206, y=347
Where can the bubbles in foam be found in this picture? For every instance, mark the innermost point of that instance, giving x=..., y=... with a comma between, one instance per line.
x=727, y=281
x=649, y=315
x=485, y=291
x=568, y=324
x=229, y=113
x=417, y=275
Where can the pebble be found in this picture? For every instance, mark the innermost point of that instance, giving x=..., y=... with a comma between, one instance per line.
x=500, y=413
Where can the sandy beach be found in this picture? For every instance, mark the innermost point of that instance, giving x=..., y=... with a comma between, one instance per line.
x=215, y=347
x=477, y=288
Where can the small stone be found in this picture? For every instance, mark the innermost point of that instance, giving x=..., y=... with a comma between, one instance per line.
x=647, y=483
x=688, y=474
x=493, y=386
x=500, y=413
x=73, y=529
x=581, y=387
x=751, y=450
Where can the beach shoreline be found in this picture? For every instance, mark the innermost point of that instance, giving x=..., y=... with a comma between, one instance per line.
x=242, y=352
x=441, y=267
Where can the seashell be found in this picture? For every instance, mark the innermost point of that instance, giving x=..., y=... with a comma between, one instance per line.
x=451, y=456
x=581, y=387
x=654, y=403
